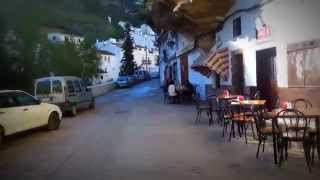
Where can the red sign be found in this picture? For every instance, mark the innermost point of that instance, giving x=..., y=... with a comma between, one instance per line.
x=263, y=33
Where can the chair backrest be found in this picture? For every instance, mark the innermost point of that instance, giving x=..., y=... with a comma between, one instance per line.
x=301, y=104
x=292, y=123
x=257, y=95
x=213, y=100
x=277, y=102
x=199, y=102
x=259, y=120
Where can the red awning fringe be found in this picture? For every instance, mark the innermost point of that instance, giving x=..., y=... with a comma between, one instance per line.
x=214, y=62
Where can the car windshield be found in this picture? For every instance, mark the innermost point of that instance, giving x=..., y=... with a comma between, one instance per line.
x=123, y=78
x=43, y=87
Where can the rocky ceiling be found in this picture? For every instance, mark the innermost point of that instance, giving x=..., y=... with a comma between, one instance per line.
x=194, y=17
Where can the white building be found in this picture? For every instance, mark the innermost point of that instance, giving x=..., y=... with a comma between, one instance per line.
x=110, y=59
x=273, y=46
x=177, y=53
x=59, y=36
x=145, y=52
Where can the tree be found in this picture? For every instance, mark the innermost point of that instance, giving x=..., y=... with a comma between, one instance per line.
x=127, y=63
x=89, y=58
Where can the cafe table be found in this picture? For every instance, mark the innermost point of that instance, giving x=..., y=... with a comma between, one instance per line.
x=273, y=115
x=222, y=102
x=249, y=103
x=253, y=104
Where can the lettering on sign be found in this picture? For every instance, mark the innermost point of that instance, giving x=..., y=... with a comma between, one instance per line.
x=263, y=33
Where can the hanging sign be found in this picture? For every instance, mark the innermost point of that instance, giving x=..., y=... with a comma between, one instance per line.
x=263, y=33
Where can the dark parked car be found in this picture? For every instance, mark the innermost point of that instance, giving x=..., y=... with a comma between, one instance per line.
x=155, y=75
x=143, y=75
x=134, y=79
x=125, y=81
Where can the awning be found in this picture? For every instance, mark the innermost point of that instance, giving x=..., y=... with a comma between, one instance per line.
x=217, y=62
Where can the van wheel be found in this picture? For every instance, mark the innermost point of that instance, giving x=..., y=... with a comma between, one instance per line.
x=92, y=104
x=54, y=121
x=73, y=111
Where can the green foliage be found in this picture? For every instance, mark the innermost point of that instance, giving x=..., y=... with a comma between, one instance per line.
x=89, y=58
x=21, y=64
x=26, y=54
x=128, y=65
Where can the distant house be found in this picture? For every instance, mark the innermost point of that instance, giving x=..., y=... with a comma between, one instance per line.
x=146, y=59
x=145, y=52
x=59, y=35
x=110, y=56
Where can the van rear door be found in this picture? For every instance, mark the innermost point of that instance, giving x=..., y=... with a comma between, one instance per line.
x=43, y=90
x=58, y=94
x=79, y=93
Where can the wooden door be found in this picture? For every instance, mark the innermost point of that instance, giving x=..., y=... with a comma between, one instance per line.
x=266, y=76
x=237, y=73
x=184, y=69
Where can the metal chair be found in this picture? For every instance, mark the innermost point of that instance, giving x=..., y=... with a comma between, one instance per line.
x=294, y=128
x=242, y=119
x=264, y=130
x=301, y=104
x=203, y=106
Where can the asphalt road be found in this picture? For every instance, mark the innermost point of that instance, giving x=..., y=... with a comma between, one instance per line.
x=132, y=134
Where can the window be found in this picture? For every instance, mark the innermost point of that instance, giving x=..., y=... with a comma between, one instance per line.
x=77, y=86
x=43, y=87
x=304, y=64
x=6, y=101
x=237, y=27
x=56, y=86
x=70, y=86
x=108, y=59
x=24, y=99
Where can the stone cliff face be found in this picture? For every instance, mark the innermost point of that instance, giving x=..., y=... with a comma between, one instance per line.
x=193, y=17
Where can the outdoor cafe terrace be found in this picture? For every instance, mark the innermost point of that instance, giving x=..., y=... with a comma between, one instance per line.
x=290, y=129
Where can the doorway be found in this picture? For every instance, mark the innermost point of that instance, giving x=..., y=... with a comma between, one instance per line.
x=266, y=76
x=237, y=73
x=184, y=69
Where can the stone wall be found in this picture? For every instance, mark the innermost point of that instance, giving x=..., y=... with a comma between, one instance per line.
x=101, y=89
x=311, y=94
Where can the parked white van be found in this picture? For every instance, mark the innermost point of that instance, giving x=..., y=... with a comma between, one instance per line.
x=68, y=92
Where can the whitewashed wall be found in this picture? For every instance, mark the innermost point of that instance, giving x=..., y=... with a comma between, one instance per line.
x=112, y=66
x=140, y=55
x=291, y=21
x=61, y=37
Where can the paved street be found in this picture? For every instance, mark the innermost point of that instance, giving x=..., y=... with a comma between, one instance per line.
x=132, y=134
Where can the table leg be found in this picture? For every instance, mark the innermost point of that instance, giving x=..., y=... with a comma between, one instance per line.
x=275, y=143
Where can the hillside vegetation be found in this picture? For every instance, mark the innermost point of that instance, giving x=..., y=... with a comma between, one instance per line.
x=85, y=17
x=26, y=53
